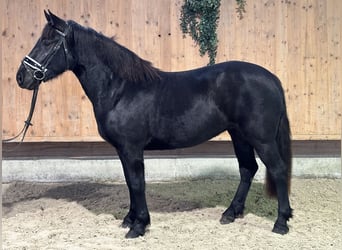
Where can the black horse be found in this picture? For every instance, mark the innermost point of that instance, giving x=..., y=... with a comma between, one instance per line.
x=139, y=107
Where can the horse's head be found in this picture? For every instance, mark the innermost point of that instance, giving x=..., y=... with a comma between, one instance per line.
x=49, y=57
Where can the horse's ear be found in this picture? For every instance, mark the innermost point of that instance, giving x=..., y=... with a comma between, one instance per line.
x=55, y=21
x=48, y=18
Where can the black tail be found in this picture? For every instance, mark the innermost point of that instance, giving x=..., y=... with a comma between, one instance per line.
x=284, y=147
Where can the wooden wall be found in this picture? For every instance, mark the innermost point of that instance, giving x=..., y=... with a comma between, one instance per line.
x=300, y=41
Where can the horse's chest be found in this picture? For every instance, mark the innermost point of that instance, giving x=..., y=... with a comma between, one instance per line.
x=123, y=122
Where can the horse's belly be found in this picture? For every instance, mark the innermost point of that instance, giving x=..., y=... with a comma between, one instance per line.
x=190, y=129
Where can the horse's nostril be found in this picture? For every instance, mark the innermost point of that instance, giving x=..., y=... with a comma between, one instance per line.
x=19, y=78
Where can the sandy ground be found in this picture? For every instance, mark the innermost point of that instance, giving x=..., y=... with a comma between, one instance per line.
x=184, y=215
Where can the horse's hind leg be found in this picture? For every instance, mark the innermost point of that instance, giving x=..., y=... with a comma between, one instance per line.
x=276, y=167
x=248, y=167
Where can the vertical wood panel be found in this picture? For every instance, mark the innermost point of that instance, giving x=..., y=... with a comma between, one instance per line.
x=334, y=59
x=300, y=41
x=1, y=113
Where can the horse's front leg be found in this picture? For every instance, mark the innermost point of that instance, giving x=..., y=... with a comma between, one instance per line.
x=138, y=217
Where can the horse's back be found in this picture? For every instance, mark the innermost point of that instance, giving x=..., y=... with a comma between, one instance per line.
x=232, y=75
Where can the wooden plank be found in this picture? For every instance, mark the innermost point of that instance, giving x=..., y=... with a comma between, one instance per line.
x=164, y=34
x=1, y=25
x=310, y=65
x=321, y=89
x=177, y=40
x=334, y=65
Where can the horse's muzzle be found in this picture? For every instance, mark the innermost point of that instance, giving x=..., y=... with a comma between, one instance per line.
x=21, y=78
x=23, y=81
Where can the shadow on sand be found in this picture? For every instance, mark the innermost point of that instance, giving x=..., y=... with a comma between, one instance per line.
x=161, y=197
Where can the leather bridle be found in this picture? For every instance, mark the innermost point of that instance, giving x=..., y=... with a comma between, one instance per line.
x=38, y=70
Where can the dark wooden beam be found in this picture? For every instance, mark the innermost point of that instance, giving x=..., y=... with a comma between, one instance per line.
x=34, y=150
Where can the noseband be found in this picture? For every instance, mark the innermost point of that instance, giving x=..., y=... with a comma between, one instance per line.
x=38, y=70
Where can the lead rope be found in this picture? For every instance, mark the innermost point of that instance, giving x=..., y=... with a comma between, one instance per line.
x=28, y=120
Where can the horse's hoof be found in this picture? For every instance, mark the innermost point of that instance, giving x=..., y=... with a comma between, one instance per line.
x=280, y=229
x=136, y=230
x=132, y=234
x=226, y=219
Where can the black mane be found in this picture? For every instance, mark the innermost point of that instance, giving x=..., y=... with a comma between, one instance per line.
x=123, y=62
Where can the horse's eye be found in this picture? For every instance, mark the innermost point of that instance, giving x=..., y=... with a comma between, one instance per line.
x=46, y=42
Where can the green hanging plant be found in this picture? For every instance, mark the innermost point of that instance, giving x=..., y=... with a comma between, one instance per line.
x=199, y=19
x=241, y=4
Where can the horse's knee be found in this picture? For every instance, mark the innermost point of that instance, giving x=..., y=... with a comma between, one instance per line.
x=247, y=174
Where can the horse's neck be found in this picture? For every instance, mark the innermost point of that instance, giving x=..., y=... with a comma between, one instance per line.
x=92, y=79
x=100, y=80
x=93, y=75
